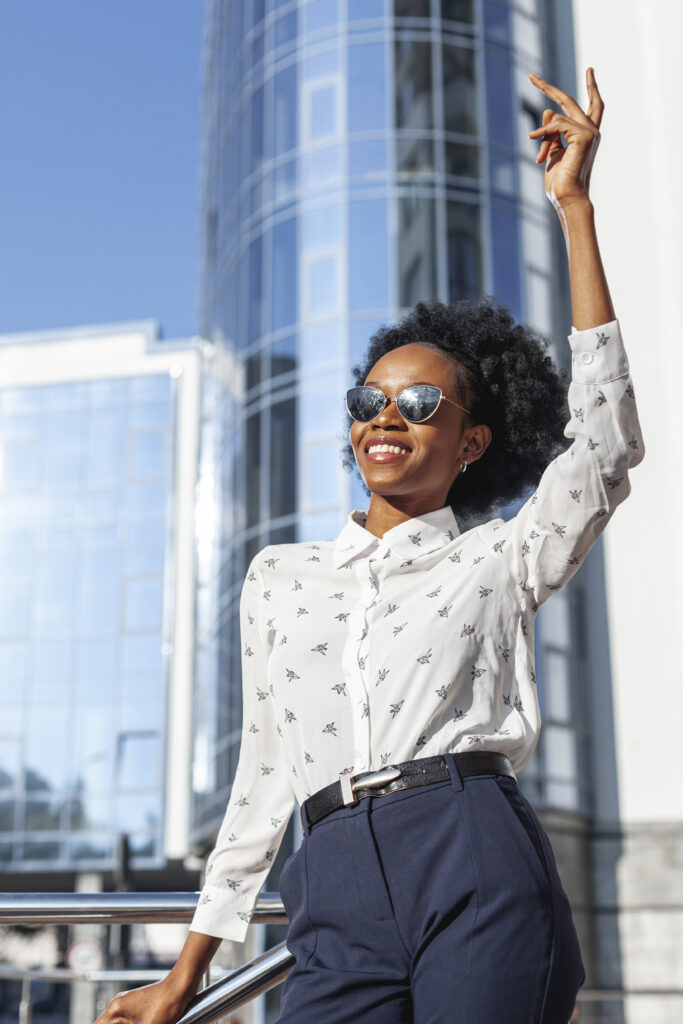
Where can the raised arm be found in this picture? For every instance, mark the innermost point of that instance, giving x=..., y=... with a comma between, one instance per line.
x=567, y=179
x=553, y=531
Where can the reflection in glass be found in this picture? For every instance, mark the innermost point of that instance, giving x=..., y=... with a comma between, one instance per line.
x=13, y=669
x=464, y=252
x=285, y=110
x=88, y=811
x=413, y=70
x=284, y=278
x=360, y=10
x=416, y=250
x=322, y=285
x=368, y=158
x=143, y=603
x=42, y=815
x=142, y=654
x=457, y=10
x=323, y=166
x=142, y=561
x=322, y=226
x=255, y=289
x=7, y=809
x=146, y=501
x=462, y=161
x=505, y=257
x=285, y=29
x=137, y=811
x=253, y=469
x=502, y=172
x=48, y=851
x=284, y=181
x=556, y=686
x=320, y=14
x=137, y=760
x=46, y=741
x=499, y=98
x=323, y=111
x=256, y=128
x=149, y=414
x=18, y=464
x=283, y=458
x=460, y=96
x=414, y=157
x=411, y=8
x=368, y=255
x=147, y=454
x=367, y=98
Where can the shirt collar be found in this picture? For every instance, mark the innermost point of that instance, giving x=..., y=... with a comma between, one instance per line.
x=414, y=537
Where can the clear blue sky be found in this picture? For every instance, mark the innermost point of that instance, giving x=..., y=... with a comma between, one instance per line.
x=99, y=162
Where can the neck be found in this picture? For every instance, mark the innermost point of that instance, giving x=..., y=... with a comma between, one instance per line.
x=384, y=513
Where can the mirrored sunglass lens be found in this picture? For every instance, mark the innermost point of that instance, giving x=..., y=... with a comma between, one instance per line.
x=418, y=402
x=363, y=403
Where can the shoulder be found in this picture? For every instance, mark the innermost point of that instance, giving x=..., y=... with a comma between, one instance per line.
x=274, y=557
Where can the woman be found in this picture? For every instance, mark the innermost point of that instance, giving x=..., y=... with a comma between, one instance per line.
x=398, y=661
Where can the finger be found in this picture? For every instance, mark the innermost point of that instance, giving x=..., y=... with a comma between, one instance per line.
x=563, y=99
x=596, y=105
x=570, y=127
x=546, y=141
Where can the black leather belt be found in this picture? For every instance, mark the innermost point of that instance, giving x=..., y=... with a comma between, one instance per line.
x=349, y=789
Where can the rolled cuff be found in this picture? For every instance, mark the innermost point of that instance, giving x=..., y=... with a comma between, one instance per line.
x=598, y=354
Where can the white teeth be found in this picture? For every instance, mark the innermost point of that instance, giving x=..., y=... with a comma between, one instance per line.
x=394, y=449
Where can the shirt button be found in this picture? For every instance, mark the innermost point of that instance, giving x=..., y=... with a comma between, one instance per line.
x=586, y=357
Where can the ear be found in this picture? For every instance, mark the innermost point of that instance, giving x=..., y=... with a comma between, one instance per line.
x=475, y=442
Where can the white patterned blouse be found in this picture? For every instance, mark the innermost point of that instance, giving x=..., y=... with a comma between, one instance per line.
x=364, y=651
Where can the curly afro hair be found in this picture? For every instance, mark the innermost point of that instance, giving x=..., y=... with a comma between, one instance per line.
x=505, y=376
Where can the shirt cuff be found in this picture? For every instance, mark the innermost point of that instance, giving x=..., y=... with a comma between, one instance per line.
x=598, y=354
x=223, y=914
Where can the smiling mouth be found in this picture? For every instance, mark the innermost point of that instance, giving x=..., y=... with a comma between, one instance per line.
x=381, y=452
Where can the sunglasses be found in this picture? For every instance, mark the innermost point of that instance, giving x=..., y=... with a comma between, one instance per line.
x=415, y=403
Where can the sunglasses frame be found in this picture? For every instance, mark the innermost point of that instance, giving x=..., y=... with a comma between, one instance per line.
x=388, y=400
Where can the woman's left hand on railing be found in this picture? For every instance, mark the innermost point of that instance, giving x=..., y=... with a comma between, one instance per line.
x=165, y=1001
x=160, y=1003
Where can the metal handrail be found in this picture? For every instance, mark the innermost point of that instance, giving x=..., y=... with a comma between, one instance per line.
x=119, y=908
x=230, y=992
x=240, y=986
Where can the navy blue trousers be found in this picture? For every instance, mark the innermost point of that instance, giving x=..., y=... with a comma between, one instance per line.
x=434, y=905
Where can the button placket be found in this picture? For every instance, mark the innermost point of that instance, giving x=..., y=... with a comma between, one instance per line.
x=355, y=676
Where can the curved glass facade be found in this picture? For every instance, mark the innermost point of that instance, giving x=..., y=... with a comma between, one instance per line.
x=359, y=155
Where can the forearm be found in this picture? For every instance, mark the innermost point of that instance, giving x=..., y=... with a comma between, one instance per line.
x=591, y=301
x=194, y=959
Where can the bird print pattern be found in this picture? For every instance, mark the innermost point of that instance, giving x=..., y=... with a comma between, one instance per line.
x=417, y=643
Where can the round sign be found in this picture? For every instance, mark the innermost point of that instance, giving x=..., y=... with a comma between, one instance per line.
x=85, y=955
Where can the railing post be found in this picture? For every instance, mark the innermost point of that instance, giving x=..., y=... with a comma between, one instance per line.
x=25, y=1004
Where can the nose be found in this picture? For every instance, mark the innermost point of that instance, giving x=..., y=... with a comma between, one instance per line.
x=389, y=413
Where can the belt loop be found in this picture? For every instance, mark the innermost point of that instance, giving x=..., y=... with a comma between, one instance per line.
x=456, y=779
x=303, y=818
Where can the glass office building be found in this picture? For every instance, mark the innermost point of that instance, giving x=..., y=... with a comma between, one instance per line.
x=88, y=559
x=359, y=155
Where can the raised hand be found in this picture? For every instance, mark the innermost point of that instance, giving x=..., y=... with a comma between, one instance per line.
x=568, y=168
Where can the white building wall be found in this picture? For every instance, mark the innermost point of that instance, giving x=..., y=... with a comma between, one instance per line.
x=634, y=46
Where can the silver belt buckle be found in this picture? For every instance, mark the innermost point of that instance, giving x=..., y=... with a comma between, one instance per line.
x=382, y=777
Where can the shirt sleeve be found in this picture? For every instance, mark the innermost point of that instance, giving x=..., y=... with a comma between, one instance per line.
x=578, y=492
x=262, y=798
